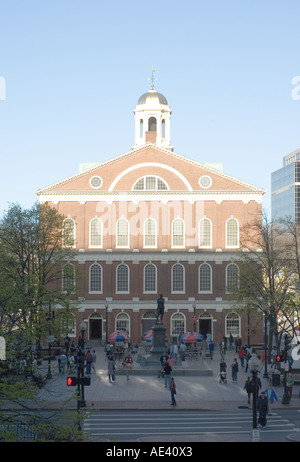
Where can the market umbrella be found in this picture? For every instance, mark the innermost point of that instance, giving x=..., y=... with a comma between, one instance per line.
x=190, y=337
x=147, y=336
x=118, y=336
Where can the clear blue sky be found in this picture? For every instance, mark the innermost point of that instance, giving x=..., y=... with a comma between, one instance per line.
x=74, y=71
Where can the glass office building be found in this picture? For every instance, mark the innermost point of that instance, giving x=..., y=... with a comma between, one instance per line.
x=285, y=189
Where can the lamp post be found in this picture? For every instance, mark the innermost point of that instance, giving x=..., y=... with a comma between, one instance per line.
x=254, y=367
x=81, y=362
x=266, y=347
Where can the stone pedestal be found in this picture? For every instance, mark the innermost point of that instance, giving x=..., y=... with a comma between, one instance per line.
x=158, y=339
x=158, y=346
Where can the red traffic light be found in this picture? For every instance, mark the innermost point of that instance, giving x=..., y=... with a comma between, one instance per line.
x=71, y=381
x=278, y=358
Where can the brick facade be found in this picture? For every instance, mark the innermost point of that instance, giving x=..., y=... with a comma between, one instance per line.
x=182, y=194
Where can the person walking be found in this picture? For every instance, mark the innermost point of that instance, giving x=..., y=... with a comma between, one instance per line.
x=271, y=397
x=172, y=387
x=167, y=371
x=242, y=355
x=289, y=385
x=127, y=363
x=211, y=348
x=111, y=368
x=89, y=360
x=262, y=406
x=248, y=387
x=234, y=370
x=94, y=360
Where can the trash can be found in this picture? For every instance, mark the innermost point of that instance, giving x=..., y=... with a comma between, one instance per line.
x=275, y=380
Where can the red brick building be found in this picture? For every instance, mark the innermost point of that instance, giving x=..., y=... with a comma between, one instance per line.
x=151, y=221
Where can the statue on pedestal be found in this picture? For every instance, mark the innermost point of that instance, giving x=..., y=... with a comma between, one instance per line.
x=160, y=308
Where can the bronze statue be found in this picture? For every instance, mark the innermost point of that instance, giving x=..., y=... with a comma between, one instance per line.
x=160, y=308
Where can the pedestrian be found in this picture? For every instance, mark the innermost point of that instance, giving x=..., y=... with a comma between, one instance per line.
x=230, y=341
x=167, y=372
x=234, y=370
x=211, y=348
x=175, y=351
x=127, y=363
x=173, y=391
x=89, y=360
x=94, y=360
x=71, y=363
x=289, y=385
x=111, y=368
x=247, y=357
x=242, y=354
x=63, y=363
x=262, y=406
x=182, y=349
x=248, y=388
x=271, y=397
x=238, y=343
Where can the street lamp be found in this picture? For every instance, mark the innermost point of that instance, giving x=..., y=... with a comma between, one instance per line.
x=81, y=363
x=254, y=367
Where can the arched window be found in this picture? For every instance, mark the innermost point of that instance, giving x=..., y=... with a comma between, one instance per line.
x=68, y=236
x=150, y=233
x=152, y=124
x=95, y=278
x=178, y=279
x=122, y=233
x=163, y=129
x=232, y=278
x=122, y=278
x=177, y=323
x=233, y=325
x=205, y=233
x=150, y=183
x=150, y=278
x=178, y=233
x=96, y=232
x=66, y=323
x=123, y=322
x=68, y=278
x=141, y=128
x=232, y=233
x=205, y=278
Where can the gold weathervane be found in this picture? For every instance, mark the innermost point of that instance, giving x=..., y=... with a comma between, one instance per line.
x=152, y=78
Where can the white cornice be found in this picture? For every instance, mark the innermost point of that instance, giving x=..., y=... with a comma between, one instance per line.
x=158, y=196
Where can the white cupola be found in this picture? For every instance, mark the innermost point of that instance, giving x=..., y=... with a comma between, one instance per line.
x=152, y=120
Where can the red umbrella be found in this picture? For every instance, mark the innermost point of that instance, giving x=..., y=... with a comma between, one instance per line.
x=148, y=335
x=118, y=336
x=191, y=337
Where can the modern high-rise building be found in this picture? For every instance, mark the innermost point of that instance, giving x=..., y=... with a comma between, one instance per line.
x=151, y=221
x=285, y=189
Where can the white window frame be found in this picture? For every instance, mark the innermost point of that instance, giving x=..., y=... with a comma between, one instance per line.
x=122, y=318
x=90, y=279
x=199, y=279
x=154, y=246
x=183, y=279
x=127, y=291
x=175, y=331
x=66, y=237
x=237, y=236
x=63, y=280
x=229, y=290
x=91, y=245
x=155, y=281
x=178, y=246
x=201, y=225
x=119, y=236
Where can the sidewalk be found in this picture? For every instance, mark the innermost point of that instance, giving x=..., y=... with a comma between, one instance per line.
x=148, y=391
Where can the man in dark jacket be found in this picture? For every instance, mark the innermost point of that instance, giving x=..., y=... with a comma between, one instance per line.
x=262, y=406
